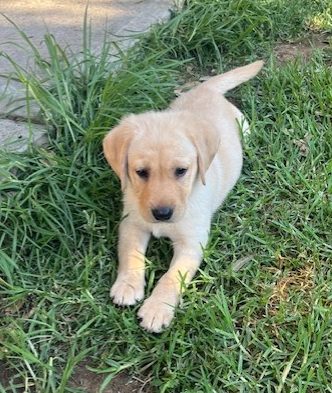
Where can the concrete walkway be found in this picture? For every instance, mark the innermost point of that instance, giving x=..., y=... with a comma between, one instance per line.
x=64, y=19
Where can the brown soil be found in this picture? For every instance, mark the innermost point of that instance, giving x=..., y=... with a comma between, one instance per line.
x=4, y=374
x=90, y=382
x=7, y=376
x=304, y=48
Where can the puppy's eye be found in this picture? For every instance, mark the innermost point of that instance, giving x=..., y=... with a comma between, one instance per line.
x=143, y=173
x=179, y=172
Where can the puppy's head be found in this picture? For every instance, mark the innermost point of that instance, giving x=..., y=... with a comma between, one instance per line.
x=161, y=156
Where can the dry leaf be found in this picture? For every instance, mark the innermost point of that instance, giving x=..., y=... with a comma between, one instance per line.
x=302, y=144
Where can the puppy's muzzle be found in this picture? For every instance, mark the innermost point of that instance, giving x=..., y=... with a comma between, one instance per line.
x=163, y=213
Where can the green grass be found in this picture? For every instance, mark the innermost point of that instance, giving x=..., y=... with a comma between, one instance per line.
x=264, y=328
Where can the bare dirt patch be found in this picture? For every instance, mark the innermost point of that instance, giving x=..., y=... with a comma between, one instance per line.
x=7, y=377
x=5, y=374
x=304, y=48
x=85, y=380
x=295, y=282
x=90, y=382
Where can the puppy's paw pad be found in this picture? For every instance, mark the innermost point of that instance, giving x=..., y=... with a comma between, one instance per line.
x=126, y=293
x=155, y=315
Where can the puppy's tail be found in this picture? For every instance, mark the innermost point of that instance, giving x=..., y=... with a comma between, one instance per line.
x=224, y=82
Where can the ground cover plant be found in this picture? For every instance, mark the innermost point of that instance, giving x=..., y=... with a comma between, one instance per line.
x=258, y=316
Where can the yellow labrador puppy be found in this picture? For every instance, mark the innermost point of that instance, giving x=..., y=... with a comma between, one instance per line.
x=176, y=167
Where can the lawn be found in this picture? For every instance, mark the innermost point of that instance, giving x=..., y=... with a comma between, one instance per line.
x=258, y=315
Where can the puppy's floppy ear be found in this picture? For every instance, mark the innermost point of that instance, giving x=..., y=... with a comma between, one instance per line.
x=206, y=140
x=115, y=145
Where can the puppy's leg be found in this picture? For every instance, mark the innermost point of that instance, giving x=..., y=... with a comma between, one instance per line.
x=129, y=285
x=158, y=310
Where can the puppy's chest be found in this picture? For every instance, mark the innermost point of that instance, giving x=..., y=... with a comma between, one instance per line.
x=161, y=230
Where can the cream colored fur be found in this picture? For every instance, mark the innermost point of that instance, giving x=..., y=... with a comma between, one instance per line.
x=199, y=132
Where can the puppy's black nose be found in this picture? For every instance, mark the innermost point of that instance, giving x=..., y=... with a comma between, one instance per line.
x=163, y=213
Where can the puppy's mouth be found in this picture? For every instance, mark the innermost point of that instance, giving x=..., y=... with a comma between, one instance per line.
x=163, y=223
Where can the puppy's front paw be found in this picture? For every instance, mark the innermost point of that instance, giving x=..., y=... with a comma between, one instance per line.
x=156, y=314
x=127, y=291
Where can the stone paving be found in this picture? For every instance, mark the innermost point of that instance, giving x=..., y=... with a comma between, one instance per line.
x=64, y=19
